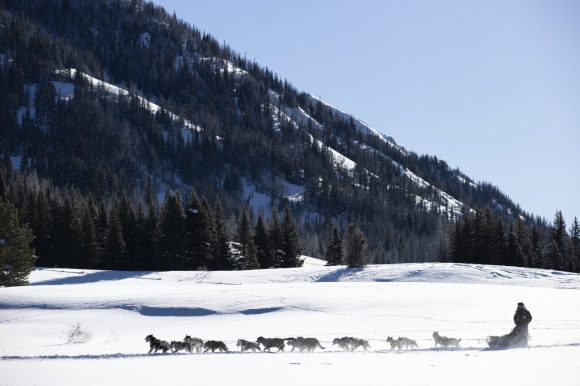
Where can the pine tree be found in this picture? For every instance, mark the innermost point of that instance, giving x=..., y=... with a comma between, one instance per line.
x=290, y=242
x=16, y=254
x=128, y=222
x=575, y=246
x=89, y=247
x=115, y=252
x=150, y=239
x=243, y=238
x=275, y=237
x=559, y=236
x=262, y=242
x=222, y=255
x=334, y=249
x=2, y=186
x=252, y=259
x=101, y=223
x=355, y=245
x=199, y=233
x=535, y=255
x=513, y=253
x=172, y=227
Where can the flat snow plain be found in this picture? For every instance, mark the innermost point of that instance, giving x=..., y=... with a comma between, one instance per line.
x=412, y=300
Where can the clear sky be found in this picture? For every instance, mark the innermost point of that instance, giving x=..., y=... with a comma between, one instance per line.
x=490, y=86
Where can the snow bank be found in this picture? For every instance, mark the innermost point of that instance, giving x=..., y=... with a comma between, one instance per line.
x=120, y=308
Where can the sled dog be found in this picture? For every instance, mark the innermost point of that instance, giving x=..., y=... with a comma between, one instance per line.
x=268, y=343
x=300, y=343
x=195, y=343
x=156, y=344
x=348, y=343
x=244, y=345
x=178, y=346
x=343, y=343
x=401, y=342
x=215, y=345
x=444, y=341
x=356, y=343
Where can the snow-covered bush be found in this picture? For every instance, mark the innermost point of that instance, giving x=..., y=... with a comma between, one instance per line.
x=77, y=333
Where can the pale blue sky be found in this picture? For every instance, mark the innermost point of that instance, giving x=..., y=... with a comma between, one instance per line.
x=490, y=86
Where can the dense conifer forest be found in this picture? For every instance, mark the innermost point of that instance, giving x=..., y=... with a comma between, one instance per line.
x=235, y=169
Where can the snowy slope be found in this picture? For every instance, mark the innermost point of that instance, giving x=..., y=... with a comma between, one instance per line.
x=360, y=125
x=297, y=116
x=413, y=300
x=339, y=160
x=116, y=90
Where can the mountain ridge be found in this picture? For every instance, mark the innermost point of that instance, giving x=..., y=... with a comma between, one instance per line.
x=242, y=123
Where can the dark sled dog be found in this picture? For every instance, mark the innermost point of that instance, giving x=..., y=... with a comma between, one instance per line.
x=156, y=344
x=215, y=345
x=269, y=343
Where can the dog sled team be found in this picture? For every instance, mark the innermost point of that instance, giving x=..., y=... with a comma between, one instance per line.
x=518, y=337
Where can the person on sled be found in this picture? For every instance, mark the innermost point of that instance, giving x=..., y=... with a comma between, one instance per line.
x=518, y=337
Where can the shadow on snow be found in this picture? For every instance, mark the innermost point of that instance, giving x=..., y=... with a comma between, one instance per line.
x=91, y=277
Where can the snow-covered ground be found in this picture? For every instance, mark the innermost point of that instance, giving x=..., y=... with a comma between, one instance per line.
x=412, y=300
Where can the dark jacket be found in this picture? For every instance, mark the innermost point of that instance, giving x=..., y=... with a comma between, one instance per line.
x=522, y=317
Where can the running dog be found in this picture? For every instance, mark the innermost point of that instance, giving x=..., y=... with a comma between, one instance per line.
x=348, y=343
x=268, y=343
x=356, y=343
x=308, y=344
x=215, y=345
x=343, y=343
x=195, y=343
x=244, y=345
x=443, y=341
x=402, y=342
x=178, y=346
x=156, y=344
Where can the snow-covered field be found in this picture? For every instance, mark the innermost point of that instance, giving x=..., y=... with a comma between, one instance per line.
x=412, y=300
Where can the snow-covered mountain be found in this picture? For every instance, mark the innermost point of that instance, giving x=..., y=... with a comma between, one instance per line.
x=125, y=98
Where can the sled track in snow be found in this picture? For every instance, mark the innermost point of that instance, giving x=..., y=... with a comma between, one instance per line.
x=169, y=355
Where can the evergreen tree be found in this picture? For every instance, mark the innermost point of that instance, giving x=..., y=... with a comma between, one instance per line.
x=115, y=251
x=101, y=224
x=243, y=238
x=222, y=255
x=199, y=233
x=575, y=246
x=497, y=248
x=275, y=238
x=151, y=239
x=553, y=256
x=262, y=243
x=89, y=248
x=252, y=259
x=2, y=186
x=334, y=249
x=128, y=222
x=559, y=236
x=172, y=227
x=535, y=256
x=514, y=253
x=355, y=245
x=290, y=242
x=16, y=254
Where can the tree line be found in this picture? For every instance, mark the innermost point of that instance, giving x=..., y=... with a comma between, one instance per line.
x=484, y=238
x=69, y=229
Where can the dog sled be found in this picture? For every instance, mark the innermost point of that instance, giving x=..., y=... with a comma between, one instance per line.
x=516, y=338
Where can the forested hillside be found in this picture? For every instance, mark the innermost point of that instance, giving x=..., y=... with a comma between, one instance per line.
x=116, y=110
